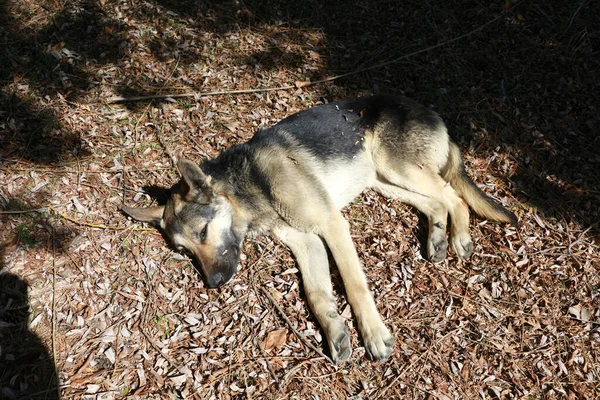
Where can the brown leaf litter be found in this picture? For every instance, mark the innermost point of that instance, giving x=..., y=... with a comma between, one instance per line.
x=92, y=307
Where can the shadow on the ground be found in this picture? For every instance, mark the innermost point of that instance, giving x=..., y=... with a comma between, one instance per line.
x=49, y=57
x=34, y=135
x=28, y=370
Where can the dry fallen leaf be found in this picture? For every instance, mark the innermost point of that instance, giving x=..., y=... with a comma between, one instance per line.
x=275, y=339
x=301, y=84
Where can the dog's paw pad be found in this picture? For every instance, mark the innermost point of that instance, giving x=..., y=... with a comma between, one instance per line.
x=436, y=248
x=340, y=347
x=463, y=245
x=379, y=345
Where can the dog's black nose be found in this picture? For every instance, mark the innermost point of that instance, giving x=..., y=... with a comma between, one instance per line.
x=216, y=280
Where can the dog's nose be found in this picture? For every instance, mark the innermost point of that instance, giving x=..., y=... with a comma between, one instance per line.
x=216, y=280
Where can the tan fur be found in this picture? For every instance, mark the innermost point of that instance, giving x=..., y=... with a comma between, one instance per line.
x=311, y=256
x=286, y=182
x=454, y=173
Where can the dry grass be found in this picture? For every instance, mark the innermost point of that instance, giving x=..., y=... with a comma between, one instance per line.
x=115, y=313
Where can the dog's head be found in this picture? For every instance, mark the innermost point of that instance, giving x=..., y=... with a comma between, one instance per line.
x=199, y=222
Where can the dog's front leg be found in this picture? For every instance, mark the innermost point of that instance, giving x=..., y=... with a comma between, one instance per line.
x=311, y=256
x=377, y=339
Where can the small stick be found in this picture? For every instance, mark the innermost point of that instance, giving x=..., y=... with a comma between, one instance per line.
x=299, y=84
x=54, y=360
x=294, y=370
x=120, y=99
x=182, y=369
x=114, y=228
x=24, y=211
x=262, y=352
x=289, y=323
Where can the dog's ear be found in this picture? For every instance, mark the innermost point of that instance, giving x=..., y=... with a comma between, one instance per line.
x=151, y=215
x=196, y=185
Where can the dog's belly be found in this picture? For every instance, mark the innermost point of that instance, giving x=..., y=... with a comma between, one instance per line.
x=344, y=179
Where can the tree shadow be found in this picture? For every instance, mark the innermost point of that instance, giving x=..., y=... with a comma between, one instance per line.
x=48, y=55
x=28, y=369
x=34, y=134
x=42, y=61
x=26, y=223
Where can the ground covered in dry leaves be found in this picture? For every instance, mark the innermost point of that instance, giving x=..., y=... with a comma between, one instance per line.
x=95, y=306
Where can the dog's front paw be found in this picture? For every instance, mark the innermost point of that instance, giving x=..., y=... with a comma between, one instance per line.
x=462, y=244
x=379, y=342
x=339, y=345
x=437, y=245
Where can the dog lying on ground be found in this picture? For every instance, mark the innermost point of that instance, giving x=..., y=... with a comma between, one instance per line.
x=292, y=179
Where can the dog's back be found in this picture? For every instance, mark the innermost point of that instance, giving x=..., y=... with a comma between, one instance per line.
x=342, y=147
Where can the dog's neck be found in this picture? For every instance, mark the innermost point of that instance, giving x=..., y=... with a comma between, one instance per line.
x=232, y=177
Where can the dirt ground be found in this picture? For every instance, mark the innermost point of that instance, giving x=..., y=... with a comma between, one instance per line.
x=96, y=306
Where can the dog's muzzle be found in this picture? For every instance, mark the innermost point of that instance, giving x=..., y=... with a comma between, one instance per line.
x=219, y=279
x=216, y=280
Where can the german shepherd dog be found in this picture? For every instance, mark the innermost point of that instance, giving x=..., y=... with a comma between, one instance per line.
x=292, y=179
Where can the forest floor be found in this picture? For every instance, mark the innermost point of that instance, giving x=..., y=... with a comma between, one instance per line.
x=96, y=306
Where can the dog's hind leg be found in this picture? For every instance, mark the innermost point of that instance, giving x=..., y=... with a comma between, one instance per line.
x=426, y=190
x=434, y=210
x=311, y=256
x=376, y=337
x=459, y=228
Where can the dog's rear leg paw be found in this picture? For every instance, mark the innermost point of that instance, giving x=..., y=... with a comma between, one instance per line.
x=340, y=347
x=379, y=343
x=437, y=246
x=462, y=244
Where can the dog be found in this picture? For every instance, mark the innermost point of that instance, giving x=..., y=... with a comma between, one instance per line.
x=292, y=179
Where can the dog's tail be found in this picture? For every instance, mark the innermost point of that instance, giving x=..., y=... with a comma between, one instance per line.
x=455, y=173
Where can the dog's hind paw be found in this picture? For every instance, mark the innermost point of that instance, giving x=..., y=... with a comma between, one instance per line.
x=340, y=347
x=379, y=344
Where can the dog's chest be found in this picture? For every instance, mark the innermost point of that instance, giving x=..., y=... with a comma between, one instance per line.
x=345, y=179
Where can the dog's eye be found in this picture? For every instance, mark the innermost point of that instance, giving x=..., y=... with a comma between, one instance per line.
x=202, y=234
x=184, y=250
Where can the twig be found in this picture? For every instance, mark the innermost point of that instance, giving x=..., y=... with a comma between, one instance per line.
x=294, y=370
x=121, y=99
x=87, y=171
x=260, y=348
x=269, y=366
x=114, y=228
x=135, y=145
x=574, y=15
x=217, y=374
x=184, y=370
x=579, y=238
x=543, y=14
x=289, y=323
x=162, y=141
x=54, y=361
x=414, y=53
x=24, y=211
